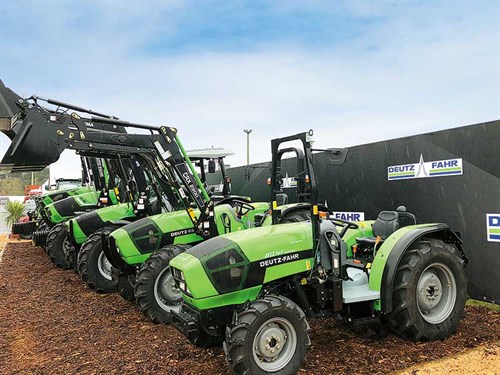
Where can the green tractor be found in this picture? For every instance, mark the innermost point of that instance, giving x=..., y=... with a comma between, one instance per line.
x=31, y=126
x=253, y=291
x=204, y=216
x=61, y=191
x=86, y=231
x=99, y=139
x=141, y=252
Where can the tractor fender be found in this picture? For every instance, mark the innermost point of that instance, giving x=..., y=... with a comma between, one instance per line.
x=388, y=257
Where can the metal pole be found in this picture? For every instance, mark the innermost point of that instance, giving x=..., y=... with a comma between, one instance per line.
x=248, y=131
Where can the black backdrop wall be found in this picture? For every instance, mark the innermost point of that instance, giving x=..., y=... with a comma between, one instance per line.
x=450, y=176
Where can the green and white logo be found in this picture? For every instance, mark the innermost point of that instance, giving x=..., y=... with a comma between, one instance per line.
x=493, y=227
x=422, y=169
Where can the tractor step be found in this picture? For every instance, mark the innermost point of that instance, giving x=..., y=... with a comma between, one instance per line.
x=356, y=289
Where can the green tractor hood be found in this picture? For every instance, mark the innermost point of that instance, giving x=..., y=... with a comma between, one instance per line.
x=231, y=268
x=82, y=226
x=136, y=241
x=69, y=207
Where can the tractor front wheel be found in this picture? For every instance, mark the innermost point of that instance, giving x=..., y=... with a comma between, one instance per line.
x=55, y=243
x=268, y=336
x=93, y=266
x=71, y=253
x=155, y=291
x=125, y=287
x=430, y=290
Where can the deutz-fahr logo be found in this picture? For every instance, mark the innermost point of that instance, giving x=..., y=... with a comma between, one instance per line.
x=493, y=227
x=424, y=169
x=349, y=216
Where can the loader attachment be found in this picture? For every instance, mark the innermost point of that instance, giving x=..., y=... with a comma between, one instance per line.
x=9, y=107
x=39, y=135
x=33, y=146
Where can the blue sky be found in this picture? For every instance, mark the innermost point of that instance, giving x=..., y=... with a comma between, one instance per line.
x=355, y=72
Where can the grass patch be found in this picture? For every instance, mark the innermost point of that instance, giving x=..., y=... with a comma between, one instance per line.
x=491, y=306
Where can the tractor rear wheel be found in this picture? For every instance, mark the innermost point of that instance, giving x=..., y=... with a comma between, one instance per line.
x=155, y=290
x=55, y=243
x=268, y=336
x=430, y=290
x=93, y=266
x=125, y=287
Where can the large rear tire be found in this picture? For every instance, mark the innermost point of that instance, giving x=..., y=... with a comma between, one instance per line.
x=430, y=290
x=268, y=336
x=155, y=290
x=93, y=266
x=55, y=243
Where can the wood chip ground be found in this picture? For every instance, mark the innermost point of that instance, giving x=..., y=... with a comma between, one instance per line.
x=50, y=323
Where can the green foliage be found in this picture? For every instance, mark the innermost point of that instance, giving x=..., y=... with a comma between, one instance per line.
x=15, y=210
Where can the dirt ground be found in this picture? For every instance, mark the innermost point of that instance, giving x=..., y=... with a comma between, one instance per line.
x=50, y=323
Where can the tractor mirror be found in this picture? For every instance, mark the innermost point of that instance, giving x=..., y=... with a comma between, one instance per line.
x=281, y=199
x=211, y=166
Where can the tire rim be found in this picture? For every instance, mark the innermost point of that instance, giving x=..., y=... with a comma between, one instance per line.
x=274, y=344
x=167, y=294
x=436, y=293
x=104, y=266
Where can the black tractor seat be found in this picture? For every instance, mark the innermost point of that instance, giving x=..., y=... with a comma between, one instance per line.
x=386, y=224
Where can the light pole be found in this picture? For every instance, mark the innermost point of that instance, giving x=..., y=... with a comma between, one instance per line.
x=248, y=131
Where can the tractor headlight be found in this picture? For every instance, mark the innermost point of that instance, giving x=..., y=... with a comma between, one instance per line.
x=180, y=280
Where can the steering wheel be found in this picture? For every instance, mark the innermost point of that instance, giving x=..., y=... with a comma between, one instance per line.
x=241, y=205
x=345, y=225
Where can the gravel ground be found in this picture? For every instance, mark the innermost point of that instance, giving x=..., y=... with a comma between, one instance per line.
x=51, y=323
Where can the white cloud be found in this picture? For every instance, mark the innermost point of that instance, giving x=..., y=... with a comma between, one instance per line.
x=417, y=71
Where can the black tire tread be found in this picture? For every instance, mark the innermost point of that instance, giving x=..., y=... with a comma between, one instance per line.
x=83, y=259
x=404, y=319
x=146, y=277
x=56, y=254
x=237, y=335
x=125, y=289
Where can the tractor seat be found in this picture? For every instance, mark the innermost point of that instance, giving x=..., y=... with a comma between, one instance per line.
x=387, y=223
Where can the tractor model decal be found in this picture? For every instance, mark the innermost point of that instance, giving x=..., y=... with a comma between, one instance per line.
x=257, y=270
x=422, y=169
x=279, y=260
x=493, y=227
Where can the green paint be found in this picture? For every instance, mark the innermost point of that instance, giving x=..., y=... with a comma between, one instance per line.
x=193, y=170
x=168, y=222
x=107, y=214
x=402, y=174
x=292, y=268
x=227, y=299
x=385, y=249
x=196, y=279
x=446, y=169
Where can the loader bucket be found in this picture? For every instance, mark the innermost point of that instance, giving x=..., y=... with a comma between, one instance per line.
x=9, y=107
x=34, y=138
